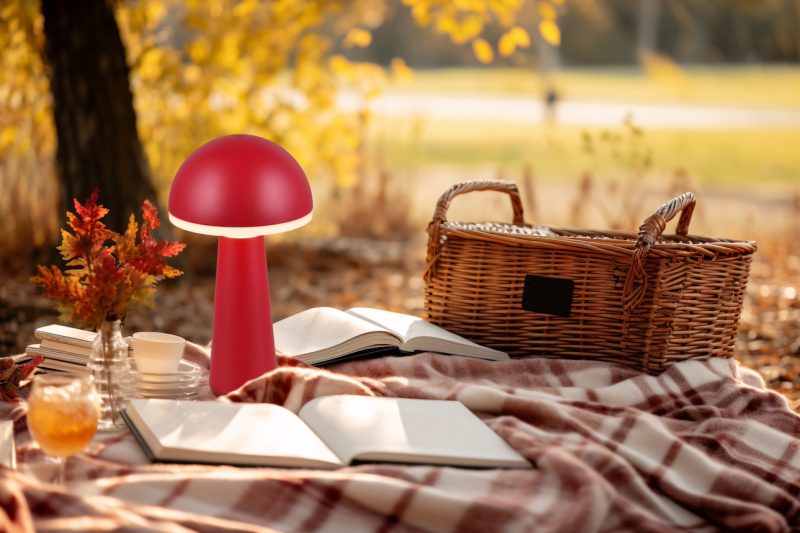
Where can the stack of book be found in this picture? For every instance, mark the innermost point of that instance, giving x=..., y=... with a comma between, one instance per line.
x=63, y=348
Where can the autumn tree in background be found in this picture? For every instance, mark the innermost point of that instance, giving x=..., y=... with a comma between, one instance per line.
x=196, y=70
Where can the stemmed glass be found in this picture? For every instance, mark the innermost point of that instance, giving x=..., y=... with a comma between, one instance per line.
x=62, y=415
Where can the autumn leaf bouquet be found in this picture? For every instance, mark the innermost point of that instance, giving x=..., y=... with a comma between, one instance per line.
x=107, y=271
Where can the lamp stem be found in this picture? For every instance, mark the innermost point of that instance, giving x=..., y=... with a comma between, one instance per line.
x=243, y=346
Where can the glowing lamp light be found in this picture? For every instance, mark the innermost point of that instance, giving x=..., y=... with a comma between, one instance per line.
x=240, y=188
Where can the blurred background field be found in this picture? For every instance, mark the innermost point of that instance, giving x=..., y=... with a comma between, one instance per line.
x=715, y=85
x=494, y=124
x=600, y=110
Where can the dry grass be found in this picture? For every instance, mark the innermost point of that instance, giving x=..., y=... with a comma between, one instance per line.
x=376, y=212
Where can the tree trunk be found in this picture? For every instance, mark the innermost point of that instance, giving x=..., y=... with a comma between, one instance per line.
x=98, y=144
x=647, y=29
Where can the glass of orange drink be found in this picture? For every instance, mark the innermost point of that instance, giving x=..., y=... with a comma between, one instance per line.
x=62, y=415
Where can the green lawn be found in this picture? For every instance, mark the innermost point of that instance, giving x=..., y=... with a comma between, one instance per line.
x=709, y=156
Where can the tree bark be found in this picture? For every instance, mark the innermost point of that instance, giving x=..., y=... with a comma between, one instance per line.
x=647, y=29
x=98, y=144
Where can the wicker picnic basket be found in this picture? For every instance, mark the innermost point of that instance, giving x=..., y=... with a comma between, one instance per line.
x=644, y=300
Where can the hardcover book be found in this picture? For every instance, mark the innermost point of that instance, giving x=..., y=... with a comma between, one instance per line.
x=328, y=432
x=65, y=334
x=57, y=355
x=324, y=335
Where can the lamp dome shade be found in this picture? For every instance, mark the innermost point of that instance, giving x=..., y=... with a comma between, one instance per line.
x=240, y=186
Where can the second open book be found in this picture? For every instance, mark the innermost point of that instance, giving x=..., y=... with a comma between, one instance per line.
x=324, y=334
x=328, y=432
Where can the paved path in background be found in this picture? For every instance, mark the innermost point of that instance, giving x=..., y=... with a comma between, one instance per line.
x=516, y=109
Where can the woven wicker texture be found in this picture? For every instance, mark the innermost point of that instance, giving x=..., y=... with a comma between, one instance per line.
x=645, y=300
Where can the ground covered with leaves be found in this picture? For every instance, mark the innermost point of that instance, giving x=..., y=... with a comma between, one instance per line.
x=351, y=272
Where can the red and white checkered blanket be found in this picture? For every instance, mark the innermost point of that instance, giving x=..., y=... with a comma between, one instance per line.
x=703, y=446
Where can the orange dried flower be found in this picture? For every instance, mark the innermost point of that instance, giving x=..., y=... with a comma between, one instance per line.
x=107, y=271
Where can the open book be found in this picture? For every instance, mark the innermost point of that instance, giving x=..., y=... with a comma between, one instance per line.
x=323, y=335
x=329, y=432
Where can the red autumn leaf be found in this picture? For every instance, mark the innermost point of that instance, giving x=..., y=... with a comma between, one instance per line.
x=89, y=233
x=109, y=270
x=126, y=243
x=150, y=218
x=11, y=374
x=151, y=251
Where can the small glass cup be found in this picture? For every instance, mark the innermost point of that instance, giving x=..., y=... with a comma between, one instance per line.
x=62, y=415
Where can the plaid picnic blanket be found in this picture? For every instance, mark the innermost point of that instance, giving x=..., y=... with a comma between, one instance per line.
x=701, y=447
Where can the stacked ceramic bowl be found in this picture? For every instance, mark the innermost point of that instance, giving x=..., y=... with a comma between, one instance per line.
x=160, y=371
x=181, y=385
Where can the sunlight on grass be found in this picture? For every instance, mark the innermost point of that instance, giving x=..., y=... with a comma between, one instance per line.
x=709, y=156
x=717, y=86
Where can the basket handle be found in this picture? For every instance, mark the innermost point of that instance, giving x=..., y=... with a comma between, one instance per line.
x=478, y=185
x=439, y=214
x=652, y=228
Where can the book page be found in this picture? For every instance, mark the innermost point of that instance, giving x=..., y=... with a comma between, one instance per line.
x=407, y=430
x=317, y=334
x=8, y=456
x=228, y=433
x=421, y=335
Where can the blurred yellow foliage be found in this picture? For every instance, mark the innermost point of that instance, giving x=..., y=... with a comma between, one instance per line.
x=514, y=38
x=547, y=11
x=400, y=70
x=358, y=37
x=483, y=51
x=236, y=80
x=550, y=32
x=27, y=135
x=465, y=20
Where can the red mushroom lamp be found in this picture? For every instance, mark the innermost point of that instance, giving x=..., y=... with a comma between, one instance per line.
x=240, y=188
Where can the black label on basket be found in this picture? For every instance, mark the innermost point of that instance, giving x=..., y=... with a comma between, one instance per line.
x=551, y=296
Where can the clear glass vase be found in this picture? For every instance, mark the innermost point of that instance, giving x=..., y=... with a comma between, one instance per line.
x=111, y=372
